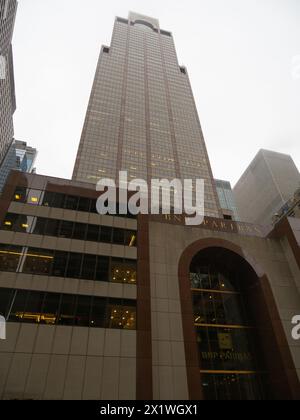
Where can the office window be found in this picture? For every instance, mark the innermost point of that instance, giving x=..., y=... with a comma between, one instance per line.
x=9, y=257
x=67, y=310
x=59, y=264
x=34, y=197
x=66, y=229
x=38, y=261
x=79, y=231
x=123, y=271
x=105, y=234
x=88, y=267
x=51, y=227
x=92, y=233
x=58, y=200
x=118, y=236
x=71, y=202
x=20, y=194
x=102, y=269
x=84, y=204
x=74, y=266
x=38, y=226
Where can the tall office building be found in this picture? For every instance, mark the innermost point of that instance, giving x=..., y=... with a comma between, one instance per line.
x=267, y=184
x=227, y=200
x=20, y=157
x=8, y=10
x=141, y=115
x=147, y=308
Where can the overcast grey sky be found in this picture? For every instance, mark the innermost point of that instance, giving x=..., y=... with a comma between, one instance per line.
x=239, y=55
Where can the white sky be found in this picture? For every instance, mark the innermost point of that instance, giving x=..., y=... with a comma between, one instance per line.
x=238, y=53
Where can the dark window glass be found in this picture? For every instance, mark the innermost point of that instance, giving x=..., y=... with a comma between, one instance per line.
x=92, y=233
x=38, y=226
x=59, y=264
x=99, y=313
x=83, y=311
x=33, y=308
x=9, y=257
x=19, y=300
x=121, y=316
x=10, y=222
x=67, y=310
x=58, y=200
x=106, y=234
x=71, y=202
x=79, y=231
x=25, y=223
x=88, y=267
x=66, y=229
x=5, y=301
x=130, y=238
x=20, y=194
x=118, y=236
x=51, y=227
x=48, y=199
x=93, y=206
x=38, y=261
x=74, y=266
x=84, y=204
x=50, y=308
x=102, y=269
x=123, y=271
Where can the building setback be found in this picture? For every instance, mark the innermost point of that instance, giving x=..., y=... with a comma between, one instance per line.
x=227, y=200
x=268, y=183
x=141, y=115
x=8, y=9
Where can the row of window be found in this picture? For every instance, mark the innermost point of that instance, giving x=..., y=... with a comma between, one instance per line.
x=57, y=200
x=45, y=262
x=64, y=229
x=70, y=310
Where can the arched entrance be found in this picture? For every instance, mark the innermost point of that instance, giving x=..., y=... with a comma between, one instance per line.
x=235, y=345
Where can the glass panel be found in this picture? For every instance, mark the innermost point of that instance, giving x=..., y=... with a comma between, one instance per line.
x=18, y=305
x=66, y=229
x=5, y=301
x=88, y=267
x=106, y=234
x=67, y=310
x=118, y=236
x=79, y=231
x=92, y=233
x=59, y=264
x=51, y=227
x=20, y=194
x=48, y=199
x=58, y=200
x=9, y=257
x=50, y=309
x=130, y=238
x=10, y=222
x=99, y=313
x=102, y=269
x=123, y=271
x=84, y=204
x=74, y=266
x=121, y=317
x=71, y=202
x=83, y=311
x=33, y=308
x=38, y=261
x=38, y=226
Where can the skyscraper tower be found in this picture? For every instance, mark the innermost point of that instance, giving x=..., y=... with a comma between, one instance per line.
x=142, y=116
x=8, y=10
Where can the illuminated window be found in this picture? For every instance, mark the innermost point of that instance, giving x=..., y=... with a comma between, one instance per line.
x=123, y=271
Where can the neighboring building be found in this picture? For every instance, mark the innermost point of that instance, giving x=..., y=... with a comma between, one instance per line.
x=227, y=200
x=141, y=115
x=19, y=157
x=8, y=10
x=124, y=308
x=268, y=183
